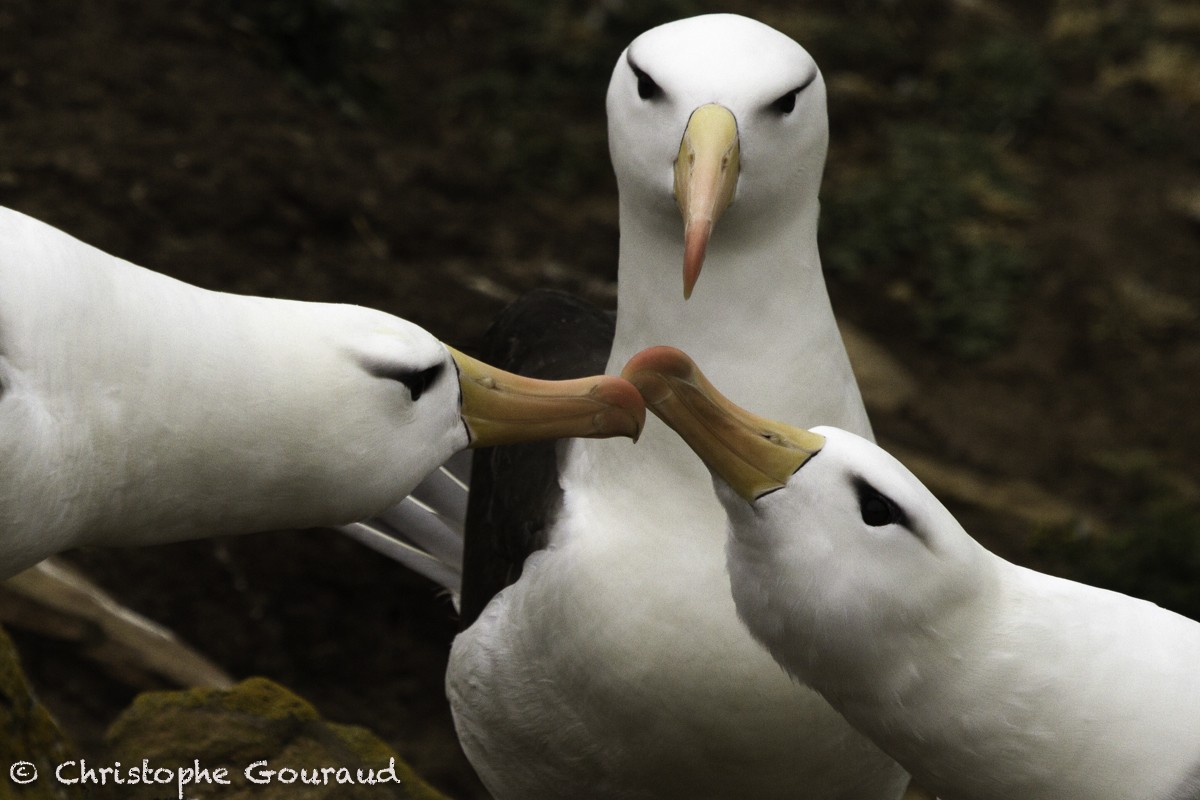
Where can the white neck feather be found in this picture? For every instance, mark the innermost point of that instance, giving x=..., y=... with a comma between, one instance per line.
x=760, y=326
x=759, y=322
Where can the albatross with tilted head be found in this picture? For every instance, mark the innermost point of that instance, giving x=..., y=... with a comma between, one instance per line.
x=137, y=409
x=987, y=680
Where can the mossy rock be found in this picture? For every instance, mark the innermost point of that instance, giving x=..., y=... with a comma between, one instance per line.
x=268, y=742
x=27, y=734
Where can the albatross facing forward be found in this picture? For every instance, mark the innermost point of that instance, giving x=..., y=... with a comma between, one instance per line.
x=615, y=666
x=988, y=681
x=137, y=409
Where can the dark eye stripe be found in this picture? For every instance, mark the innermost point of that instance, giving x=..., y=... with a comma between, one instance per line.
x=877, y=509
x=647, y=88
x=786, y=102
x=418, y=381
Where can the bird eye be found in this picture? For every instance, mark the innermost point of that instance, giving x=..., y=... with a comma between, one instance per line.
x=419, y=380
x=786, y=103
x=876, y=509
x=647, y=88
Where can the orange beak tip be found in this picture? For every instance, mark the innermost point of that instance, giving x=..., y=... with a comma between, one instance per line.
x=626, y=415
x=648, y=366
x=695, y=245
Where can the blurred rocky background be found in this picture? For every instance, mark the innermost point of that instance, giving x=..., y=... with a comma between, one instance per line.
x=1010, y=229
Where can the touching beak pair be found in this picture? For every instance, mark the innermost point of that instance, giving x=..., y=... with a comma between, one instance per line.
x=754, y=455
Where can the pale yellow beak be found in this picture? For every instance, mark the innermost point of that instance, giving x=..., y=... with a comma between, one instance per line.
x=499, y=407
x=706, y=174
x=753, y=454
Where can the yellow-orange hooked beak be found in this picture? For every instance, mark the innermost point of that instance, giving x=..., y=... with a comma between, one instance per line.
x=753, y=454
x=499, y=407
x=706, y=174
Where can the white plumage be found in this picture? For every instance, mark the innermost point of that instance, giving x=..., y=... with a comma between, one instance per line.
x=616, y=666
x=986, y=680
x=138, y=409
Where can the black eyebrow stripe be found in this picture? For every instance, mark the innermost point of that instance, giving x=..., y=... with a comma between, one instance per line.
x=638, y=71
x=807, y=82
x=862, y=487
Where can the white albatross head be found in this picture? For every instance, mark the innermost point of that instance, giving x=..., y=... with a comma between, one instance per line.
x=712, y=116
x=839, y=558
x=430, y=400
x=137, y=409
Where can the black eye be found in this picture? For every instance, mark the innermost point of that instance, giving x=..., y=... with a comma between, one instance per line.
x=647, y=88
x=877, y=510
x=787, y=103
x=420, y=380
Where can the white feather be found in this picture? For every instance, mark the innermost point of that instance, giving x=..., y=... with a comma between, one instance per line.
x=137, y=409
x=616, y=665
x=986, y=680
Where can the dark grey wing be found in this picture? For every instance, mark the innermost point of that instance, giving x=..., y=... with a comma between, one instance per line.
x=514, y=489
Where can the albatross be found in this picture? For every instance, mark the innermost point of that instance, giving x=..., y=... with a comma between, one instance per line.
x=601, y=654
x=986, y=680
x=137, y=409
